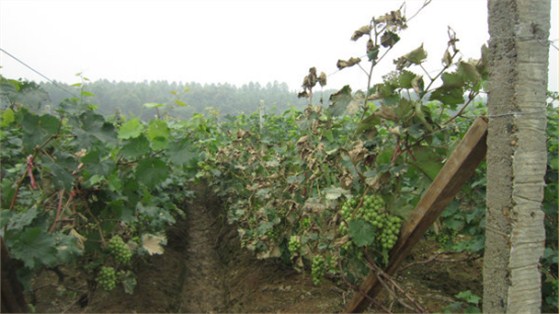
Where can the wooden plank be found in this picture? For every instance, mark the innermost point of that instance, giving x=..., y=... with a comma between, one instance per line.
x=459, y=167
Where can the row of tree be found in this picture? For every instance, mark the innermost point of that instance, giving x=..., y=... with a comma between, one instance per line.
x=177, y=99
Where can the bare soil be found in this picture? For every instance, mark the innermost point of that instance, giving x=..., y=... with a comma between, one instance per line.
x=204, y=270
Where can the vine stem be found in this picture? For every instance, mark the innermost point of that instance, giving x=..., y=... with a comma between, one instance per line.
x=26, y=171
x=58, y=210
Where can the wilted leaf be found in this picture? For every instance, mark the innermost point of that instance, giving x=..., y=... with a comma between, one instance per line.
x=364, y=30
x=447, y=59
x=80, y=239
x=323, y=79
x=334, y=193
x=341, y=64
x=389, y=39
x=387, y=113
x=128, y=281
x=274, y=252
x=314, y=205
x=154, y=243
x=416, y=56
x=340, y=100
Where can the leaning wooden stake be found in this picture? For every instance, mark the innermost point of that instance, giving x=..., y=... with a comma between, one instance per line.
x=460, y=166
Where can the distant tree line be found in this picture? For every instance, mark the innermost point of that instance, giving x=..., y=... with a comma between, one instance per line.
x=178, y=99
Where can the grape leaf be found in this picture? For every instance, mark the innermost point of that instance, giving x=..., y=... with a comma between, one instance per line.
x=153, y=105
x=34, y=247
x=37, y=129
x=131, y=129
x=361, y=232
x=158, y=134
x=426, y=161
x=61, y=177
x=94, y=124
x=22, y=219
x=181, y=152
x=7, y=117
x=468, y=296
x=136, y=147
x=151, y=172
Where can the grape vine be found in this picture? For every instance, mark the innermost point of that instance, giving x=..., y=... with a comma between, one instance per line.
x=326, y=189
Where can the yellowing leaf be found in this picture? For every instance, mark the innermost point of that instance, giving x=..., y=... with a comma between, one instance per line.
x=364, y=30
x=153, y=243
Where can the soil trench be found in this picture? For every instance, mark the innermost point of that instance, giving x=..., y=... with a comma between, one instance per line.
x=203, y=288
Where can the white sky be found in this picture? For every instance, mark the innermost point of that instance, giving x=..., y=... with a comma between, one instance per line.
x=232, y=41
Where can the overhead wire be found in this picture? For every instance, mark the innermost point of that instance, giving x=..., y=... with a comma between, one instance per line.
x=38, y=73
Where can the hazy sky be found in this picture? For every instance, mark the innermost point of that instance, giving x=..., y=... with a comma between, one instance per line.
x=231, y=41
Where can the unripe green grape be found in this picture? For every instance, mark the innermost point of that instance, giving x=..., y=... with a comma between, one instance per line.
x=294, y=245
x=317, y=269
x=119, y=250
x=107, y=278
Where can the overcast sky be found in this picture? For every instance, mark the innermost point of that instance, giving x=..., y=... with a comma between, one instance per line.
x=231, y=41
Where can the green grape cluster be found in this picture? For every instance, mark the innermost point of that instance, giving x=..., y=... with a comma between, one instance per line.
x=348, y=208
x=372, y=210
x=317, y=269
x=107, y=278
x=390, y=232
x=294, y=244
x=119, y=250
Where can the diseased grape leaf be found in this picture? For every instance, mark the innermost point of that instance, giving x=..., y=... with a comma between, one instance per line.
x=364, y=30
x=340, y=100
x=153, y=243
x=416, y=56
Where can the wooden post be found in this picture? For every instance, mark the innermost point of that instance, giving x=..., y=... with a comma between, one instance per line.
x=460, y=166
